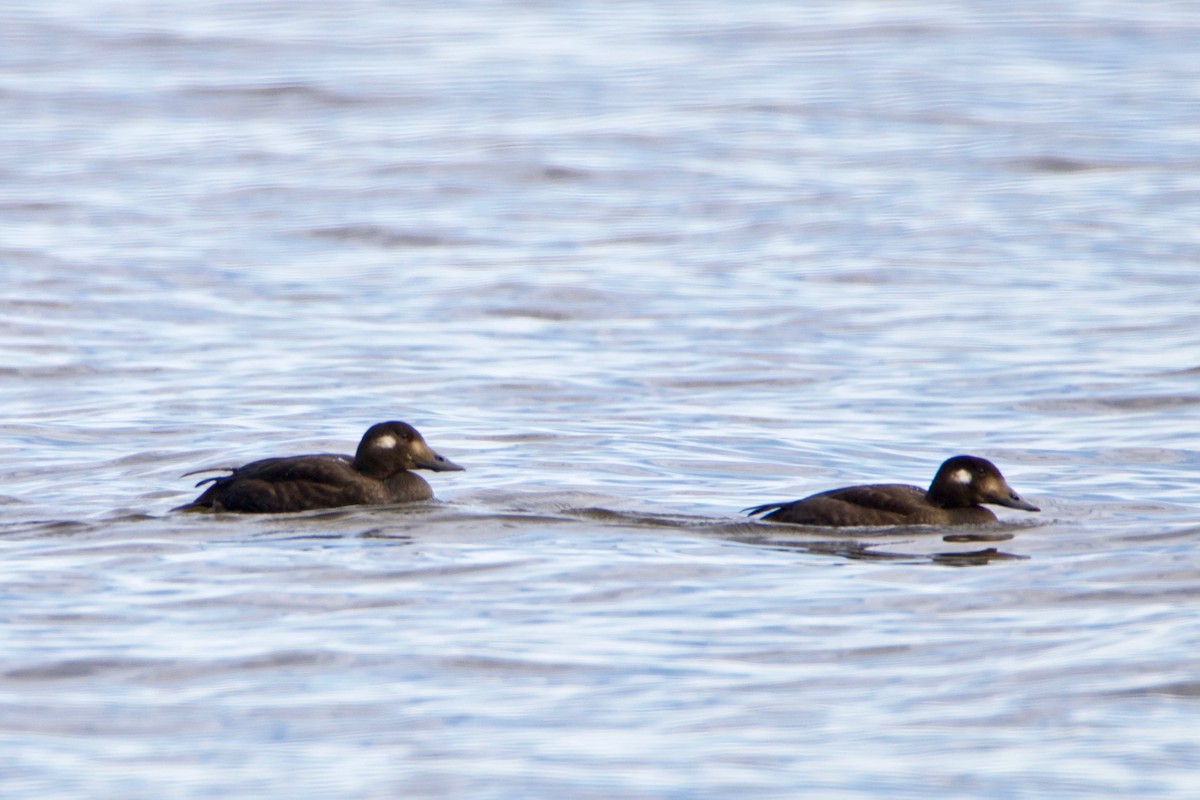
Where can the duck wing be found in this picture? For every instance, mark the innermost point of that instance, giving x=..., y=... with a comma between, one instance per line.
x=296, y=483
x=324, y=468
x=882, y=504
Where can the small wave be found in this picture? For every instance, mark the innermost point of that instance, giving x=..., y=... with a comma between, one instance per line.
x=1133, y=403
x=380, y=236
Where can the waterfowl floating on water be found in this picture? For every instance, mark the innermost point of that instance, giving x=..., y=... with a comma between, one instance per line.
x=378, y=473
x=961, y=486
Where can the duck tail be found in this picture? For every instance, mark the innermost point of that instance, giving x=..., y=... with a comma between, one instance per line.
x=202, y=470
x=765, y=508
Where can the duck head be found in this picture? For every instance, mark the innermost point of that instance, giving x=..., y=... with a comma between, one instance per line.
x=391, y=447
x=965, y=481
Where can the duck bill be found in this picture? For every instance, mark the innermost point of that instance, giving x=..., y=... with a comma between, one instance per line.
x=428, y=459
x=1013, y=500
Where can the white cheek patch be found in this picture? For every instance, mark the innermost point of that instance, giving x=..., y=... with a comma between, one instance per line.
x=962, y=476
x=386, y=442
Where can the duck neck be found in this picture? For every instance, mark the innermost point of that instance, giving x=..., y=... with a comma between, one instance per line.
x=408, y=486
x=374, y=467
x=943, y=497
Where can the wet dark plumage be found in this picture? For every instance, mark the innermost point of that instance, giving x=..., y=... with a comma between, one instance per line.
x=378, y=473
x=954, y=497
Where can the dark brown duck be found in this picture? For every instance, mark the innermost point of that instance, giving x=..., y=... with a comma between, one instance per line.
x=961, y=485
x=378, y=473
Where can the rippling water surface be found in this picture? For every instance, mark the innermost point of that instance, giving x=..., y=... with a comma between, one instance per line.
x=636, y=267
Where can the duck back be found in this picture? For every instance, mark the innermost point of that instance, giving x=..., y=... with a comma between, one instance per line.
x=302, y=483
x=873, y=505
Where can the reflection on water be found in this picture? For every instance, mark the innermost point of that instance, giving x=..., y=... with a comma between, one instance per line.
x=638, y=269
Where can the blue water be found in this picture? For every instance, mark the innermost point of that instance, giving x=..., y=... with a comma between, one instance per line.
x=636, y=268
